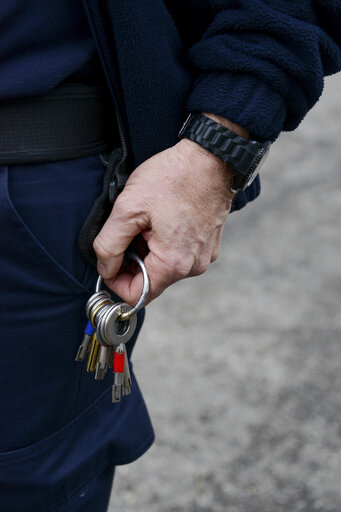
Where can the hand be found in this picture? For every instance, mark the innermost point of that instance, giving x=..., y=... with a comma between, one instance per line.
x=177, y=201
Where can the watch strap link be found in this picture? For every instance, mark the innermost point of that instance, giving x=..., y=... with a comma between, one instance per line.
x=240, y=153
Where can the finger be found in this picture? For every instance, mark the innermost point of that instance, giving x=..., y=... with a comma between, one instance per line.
x=140, y=246
x=127, y=286
x=114, y=238
x=161, y=275
x=216, y=245
x=208, y=254
x=202, y=262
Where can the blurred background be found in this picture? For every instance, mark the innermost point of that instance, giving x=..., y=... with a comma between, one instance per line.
x=241, y=367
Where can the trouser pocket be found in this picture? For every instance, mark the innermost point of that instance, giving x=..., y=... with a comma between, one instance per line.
x=44, y=286
x=58, y=426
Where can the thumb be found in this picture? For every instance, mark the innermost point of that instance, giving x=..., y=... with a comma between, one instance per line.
x=128, y=286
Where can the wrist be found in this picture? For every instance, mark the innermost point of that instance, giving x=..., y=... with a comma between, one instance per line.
x=196, y=149
x=214, y=166
x=230, y=143
x=236, y=128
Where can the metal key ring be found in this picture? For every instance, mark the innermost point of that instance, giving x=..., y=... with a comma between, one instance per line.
x=144, y=294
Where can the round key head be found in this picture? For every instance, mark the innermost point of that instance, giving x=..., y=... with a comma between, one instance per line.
x=102, y=295
x=98, y=321
x=99, y=328
x=116, y=331
x=101, y=312
x=99, y=336
x=97, y=308
x=102, y=324
x=96, y=302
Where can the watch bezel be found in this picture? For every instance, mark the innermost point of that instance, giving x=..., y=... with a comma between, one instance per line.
x=183, y=127
x=259, y=159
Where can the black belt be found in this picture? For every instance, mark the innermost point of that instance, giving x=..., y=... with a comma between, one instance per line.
x=71, y=122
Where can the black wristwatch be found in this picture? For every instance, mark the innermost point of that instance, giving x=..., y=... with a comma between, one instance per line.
x=244, y=156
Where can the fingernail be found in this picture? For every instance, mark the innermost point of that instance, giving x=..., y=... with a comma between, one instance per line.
x=101, y=268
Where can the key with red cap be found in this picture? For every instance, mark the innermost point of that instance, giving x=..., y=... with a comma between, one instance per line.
x=118, y=369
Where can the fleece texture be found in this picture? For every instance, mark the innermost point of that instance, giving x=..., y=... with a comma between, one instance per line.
x=259, y=63
x=266, y=61
x=42, y=44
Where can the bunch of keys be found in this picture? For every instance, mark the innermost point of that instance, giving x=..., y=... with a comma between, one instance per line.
x=109, y=328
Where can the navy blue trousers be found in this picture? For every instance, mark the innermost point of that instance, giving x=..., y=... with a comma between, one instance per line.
x=60, y=435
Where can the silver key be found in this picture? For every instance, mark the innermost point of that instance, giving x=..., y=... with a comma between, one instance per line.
x=112, y=330
x=84, y=346
x=99, y=318
x=117, y=387
x=111, y=357
x=96, y=297
x=103, y=363
x=126, y=376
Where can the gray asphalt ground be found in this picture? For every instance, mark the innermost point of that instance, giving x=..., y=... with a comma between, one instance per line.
x=241, y=367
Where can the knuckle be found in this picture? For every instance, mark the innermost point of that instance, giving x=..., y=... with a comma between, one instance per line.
x=215, y=255
x=201, y=267
x=129, y=212
x=182, y=266
x=102, y=249
x=120, y=207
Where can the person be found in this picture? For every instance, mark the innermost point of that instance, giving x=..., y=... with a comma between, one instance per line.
x=245, y=70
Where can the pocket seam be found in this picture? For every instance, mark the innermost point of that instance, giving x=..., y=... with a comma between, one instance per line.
x=45, y=442
x=77, y=285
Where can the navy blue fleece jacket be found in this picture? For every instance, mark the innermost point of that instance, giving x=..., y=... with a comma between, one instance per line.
x=259, y=63
x=265, y=60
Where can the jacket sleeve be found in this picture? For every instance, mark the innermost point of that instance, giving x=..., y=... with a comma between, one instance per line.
x=261, y=63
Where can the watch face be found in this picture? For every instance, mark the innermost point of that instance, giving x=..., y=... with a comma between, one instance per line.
x=258, y=162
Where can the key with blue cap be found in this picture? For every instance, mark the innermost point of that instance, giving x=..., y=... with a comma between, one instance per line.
x=84, y=346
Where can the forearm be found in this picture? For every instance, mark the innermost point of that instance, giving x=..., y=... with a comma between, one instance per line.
x=261, y=64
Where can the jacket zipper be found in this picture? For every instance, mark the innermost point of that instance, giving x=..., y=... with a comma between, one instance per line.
x=120, y=172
